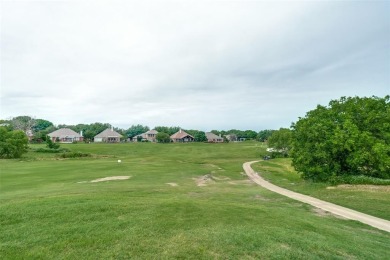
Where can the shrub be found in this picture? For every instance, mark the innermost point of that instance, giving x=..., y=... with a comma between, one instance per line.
x=12, y=143
x=50, y=144
x=74, y=155
x=48, y=150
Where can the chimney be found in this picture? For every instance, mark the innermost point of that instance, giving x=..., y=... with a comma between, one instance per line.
x=180, y=130
x=81, y=132
x=112, y=128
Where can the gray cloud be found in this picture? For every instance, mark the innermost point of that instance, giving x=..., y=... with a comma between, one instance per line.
x=200, y=65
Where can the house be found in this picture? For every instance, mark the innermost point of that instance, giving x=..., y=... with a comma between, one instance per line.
x=108, y=136
x=213, y=138
x=66, y=135
x=149, y=136
x=231, y=137
x=182, y=137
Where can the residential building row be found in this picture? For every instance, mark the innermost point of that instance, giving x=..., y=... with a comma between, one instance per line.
x=66, y=135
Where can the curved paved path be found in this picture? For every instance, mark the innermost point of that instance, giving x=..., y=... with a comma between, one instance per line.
x=330, y=207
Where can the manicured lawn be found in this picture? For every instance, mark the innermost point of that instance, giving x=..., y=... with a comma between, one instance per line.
x=49, y=208
x=370, y=199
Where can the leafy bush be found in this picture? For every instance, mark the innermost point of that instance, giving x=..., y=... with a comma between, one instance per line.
x=50, y=144
x=162, y=137
x=74, y=155
x=12, y=143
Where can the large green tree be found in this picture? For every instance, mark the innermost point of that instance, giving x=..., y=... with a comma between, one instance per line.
x=350, y=136
x=13, y=143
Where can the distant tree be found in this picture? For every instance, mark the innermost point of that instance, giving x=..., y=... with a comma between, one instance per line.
x=162, y=137
x=200, y=136
x=50, y=144
x=136, y=130
x=263, y=135
x=216, y=132
x=281, y=140
x=23, y=123
x=41, y=124
x=13, y=143
x=169, y=130
x=250, y=134
x=350, y=136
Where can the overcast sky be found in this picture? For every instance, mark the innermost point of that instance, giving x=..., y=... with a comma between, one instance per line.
x=199, y=65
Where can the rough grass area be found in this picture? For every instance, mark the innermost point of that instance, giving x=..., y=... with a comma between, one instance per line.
x=50, y=209
x=370, y=199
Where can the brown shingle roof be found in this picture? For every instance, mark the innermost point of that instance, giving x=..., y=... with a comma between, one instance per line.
x=64, y=132
x=211, y=136
x=108, y=133
x=180, y=134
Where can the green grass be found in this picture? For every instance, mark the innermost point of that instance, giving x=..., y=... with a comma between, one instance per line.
x=45, y=211
x=370, y=199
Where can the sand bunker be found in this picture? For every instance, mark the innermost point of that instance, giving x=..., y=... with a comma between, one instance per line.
x=172, y=184
x=112, y=178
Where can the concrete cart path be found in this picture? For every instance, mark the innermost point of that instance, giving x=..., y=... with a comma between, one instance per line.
x=330, y=207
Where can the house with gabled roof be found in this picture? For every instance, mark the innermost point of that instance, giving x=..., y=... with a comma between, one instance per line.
x=149, y=136
x=213, y=138
x=66, y=135
x=108, y=136
x=182, y=137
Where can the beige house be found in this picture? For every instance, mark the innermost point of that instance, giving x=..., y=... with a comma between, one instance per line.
x=65, y=135
x=213, y=138
x=182, y=137
x=149, y=136
x=108, y=136
x=231, y=137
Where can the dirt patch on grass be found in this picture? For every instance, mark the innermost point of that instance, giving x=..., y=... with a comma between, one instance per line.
x=259, y=197
x=173, y=184
x=204, y=180
x=112, y=178
x=324, y=213
x=242, y=182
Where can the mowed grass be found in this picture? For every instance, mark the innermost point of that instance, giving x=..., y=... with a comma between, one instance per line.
x=50, y=209
x=370, y=199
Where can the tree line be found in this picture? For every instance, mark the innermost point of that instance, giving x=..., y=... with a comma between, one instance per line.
x=348, y=137
x=40, y=128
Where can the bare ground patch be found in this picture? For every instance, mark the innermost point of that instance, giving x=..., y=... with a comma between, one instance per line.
x=112, y=178
x=242, y=182
x=259, y=197
x=324, y=213
x=173, y=184
x=204, y=180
